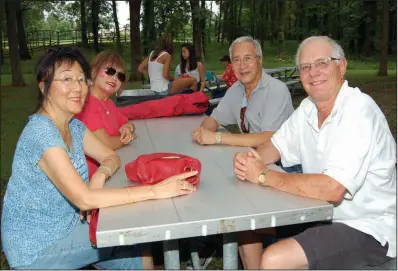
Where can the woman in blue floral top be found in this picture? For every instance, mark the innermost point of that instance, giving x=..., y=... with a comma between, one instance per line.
x=49, y=184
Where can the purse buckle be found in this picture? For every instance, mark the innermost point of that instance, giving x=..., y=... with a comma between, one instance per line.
x=188, y=167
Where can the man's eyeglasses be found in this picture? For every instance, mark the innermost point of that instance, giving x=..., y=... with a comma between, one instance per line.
x=319, y=64
x=68, y=81
x=112, y=71
x=242, y=120
x=246, y=60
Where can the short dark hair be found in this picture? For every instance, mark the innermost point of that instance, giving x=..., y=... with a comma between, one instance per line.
x=225, y=58
x=55, y=57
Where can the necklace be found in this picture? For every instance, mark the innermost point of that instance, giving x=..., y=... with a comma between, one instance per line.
x=105, y=107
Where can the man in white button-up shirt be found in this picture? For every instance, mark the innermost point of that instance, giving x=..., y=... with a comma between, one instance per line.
x=348, y=155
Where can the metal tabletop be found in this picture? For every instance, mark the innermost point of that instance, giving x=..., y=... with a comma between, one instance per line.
x=221, y=205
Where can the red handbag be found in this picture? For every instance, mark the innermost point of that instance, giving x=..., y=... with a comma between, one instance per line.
x=149, y=169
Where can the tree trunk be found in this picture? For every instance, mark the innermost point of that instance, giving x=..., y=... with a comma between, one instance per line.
x=196, y=29
x=368, y=28
x=94, y=15
x=83, y=23
x=203, y=25
x=227, y=8
x=210, y=21
x=1, y=37
x=281, y=28
x=253, y=17
x=148, y=29
x=135, y=40
x=118, y=43
x=231, y=21
x=262, y=23
x=16, y=69
x=23, y=45
x=384, y=39
x=219, y=23
x=240, y=18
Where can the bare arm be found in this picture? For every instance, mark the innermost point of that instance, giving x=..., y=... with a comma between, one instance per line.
x=202, y=76
x=210, y=124
x=57, y=165
x=316, y=186
x=112, y=142
x=269, y=154
x=245, y=140
x=166, y=67
x=143, y=67
x=248, y=166
x=206, y=134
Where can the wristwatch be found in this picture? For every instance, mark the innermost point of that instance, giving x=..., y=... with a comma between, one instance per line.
x=261, y=178
x=218, y=137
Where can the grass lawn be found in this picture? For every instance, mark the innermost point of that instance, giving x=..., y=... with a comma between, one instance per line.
x=17, y=103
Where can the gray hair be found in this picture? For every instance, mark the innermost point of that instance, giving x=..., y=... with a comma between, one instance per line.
x=256, y=44
x=337, y=50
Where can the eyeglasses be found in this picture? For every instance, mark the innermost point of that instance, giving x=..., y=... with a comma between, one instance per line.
x=112, y=71
x=319, y=64
x=242, y=120
x=246, y=60
x=68, y=81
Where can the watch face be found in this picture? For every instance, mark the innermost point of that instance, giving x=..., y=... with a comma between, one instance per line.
x=261, y=179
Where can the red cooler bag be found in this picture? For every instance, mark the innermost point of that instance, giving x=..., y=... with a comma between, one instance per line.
x=149, y=169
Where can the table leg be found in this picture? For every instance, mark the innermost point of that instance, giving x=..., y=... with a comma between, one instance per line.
x=230, y=251
x=194, y=255
x=171, y=254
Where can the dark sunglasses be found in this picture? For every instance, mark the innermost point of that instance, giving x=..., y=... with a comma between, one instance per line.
x=242, y=120
x=111, y=71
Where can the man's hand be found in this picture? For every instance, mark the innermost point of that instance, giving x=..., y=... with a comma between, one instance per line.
x=240, y=161
x=254, y=166
x=204, y=136
x=248, y=166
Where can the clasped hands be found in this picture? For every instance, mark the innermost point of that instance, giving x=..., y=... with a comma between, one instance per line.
x=248, y=166
x=127, y=133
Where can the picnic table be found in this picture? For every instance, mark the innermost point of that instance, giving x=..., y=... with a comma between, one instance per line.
x=221, y=205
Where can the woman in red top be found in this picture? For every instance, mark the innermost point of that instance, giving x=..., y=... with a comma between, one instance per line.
x=100, y=114
x=228, y=76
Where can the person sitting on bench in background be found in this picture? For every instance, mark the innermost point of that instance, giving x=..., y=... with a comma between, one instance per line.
x=157, y=66
x=190, y=66
x=228, y=75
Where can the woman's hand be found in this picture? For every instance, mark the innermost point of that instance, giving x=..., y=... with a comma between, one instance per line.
x=127, y=133
x=174, y=186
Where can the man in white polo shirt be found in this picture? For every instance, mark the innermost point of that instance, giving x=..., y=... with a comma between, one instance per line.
x=257, y=102
x=348, y=156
